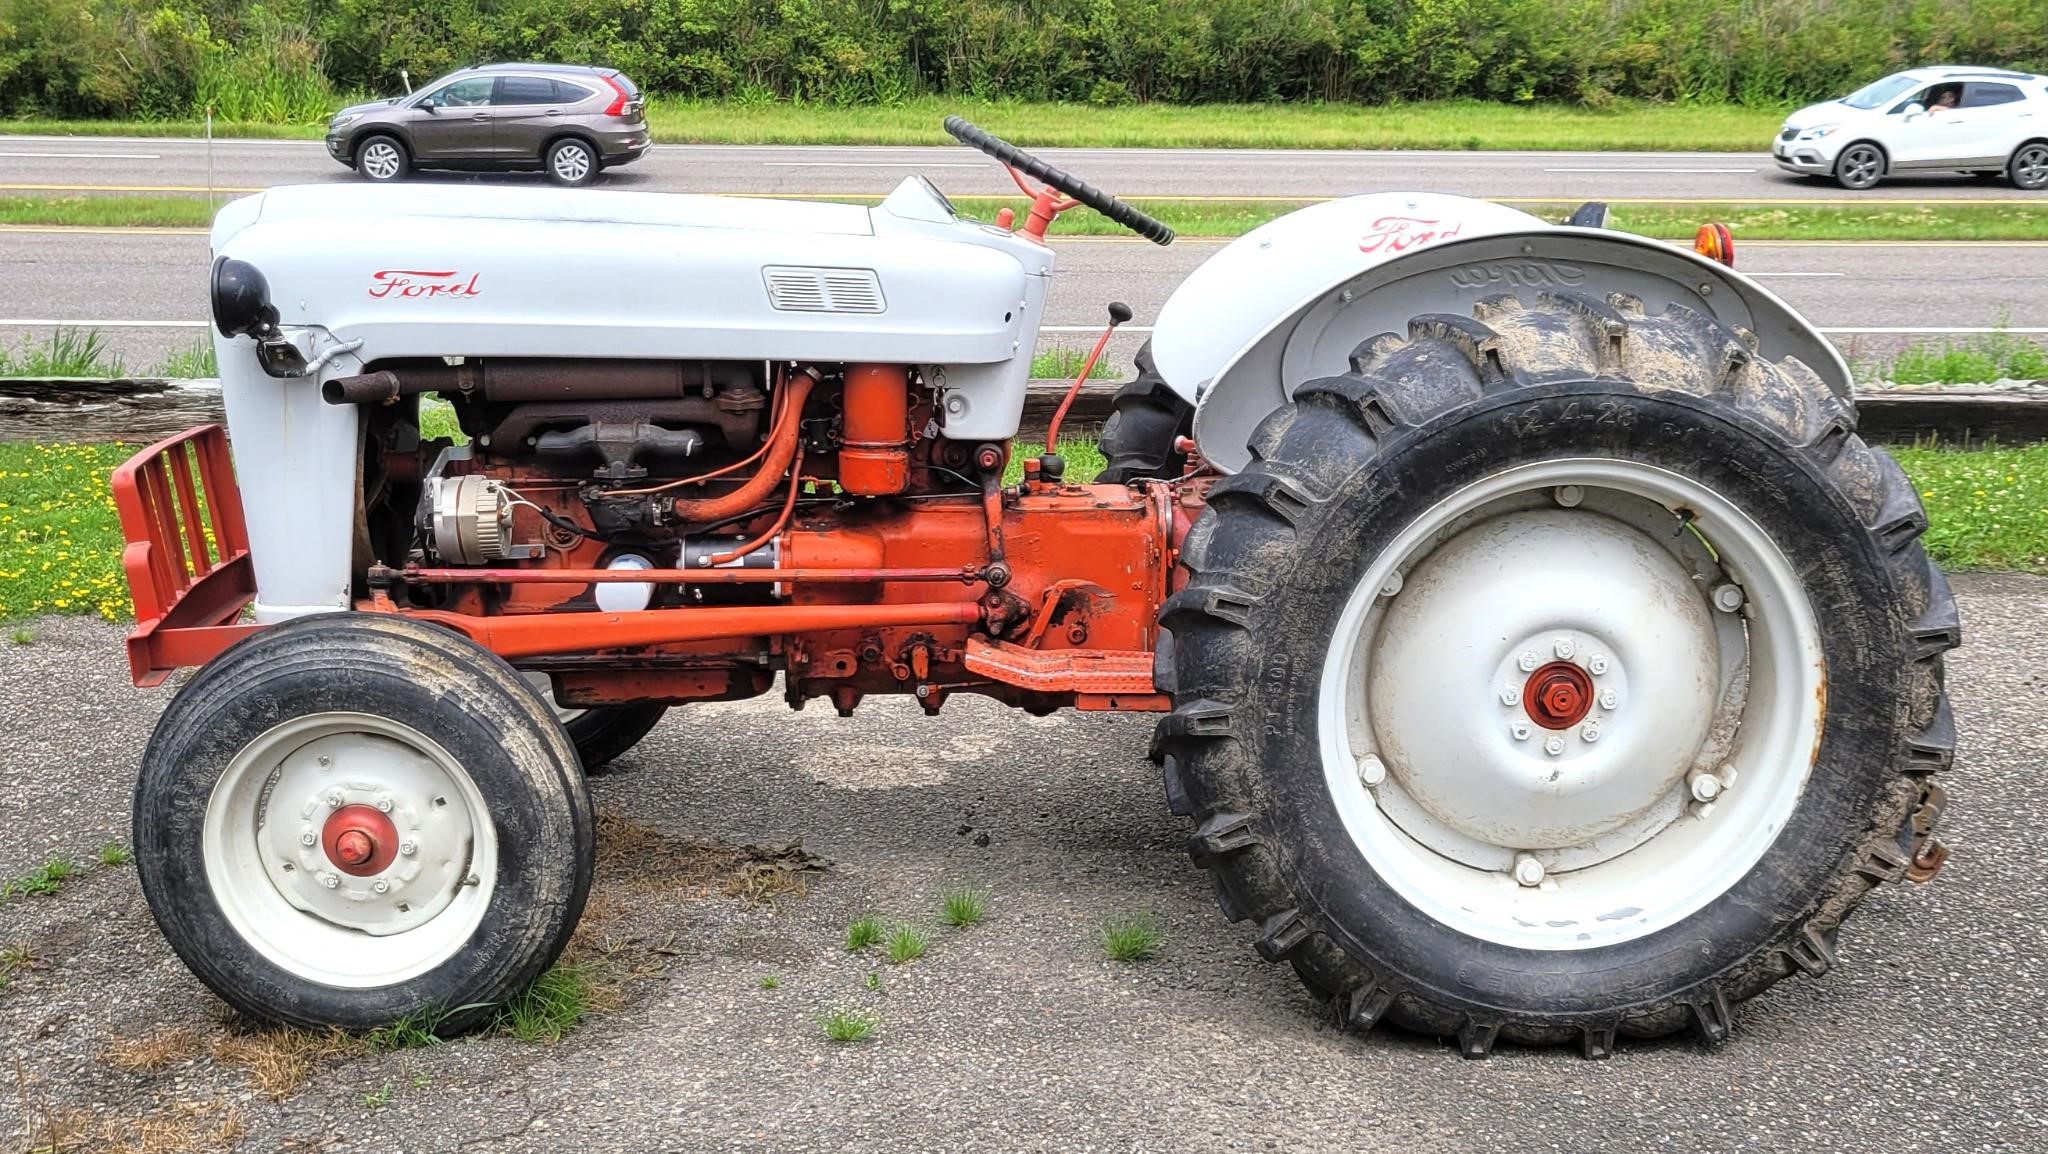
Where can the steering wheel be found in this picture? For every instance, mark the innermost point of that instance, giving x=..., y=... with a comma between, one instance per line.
x=1018, y=160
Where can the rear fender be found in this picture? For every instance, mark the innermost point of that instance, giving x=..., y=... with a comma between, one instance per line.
x=1315, y=337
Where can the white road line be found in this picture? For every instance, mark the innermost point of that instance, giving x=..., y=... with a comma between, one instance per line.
x=1933, y=332
x=1649, y=170
x=41, y=323
x=1802, y=274
x=89, y=155
x=864, y=164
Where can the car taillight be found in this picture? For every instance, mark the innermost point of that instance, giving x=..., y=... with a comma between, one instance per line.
x=619, y=101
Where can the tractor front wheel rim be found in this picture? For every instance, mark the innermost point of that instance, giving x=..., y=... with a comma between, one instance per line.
x=1571, y=704
x=350, y=849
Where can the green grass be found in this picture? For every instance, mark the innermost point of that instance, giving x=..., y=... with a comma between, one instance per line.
x=844, y=1025
x=1063, y=362
x=1130, y=939
x=378, y=1099
x=1624, y=124
x=1986, y=508
x=14, y=959
x=415, y=1031
x=1875, y=221
x=769, y=982
x=22, y=637
x=907, y=944
x=42, y=881
x=195, y=360
x=964, y=906
x=115, y=854
x=1083, y=456
x=67, y=352
x=873, y=980
x=1971, y=360
x=864, y=931
x=549, y=1008
x=60, y=543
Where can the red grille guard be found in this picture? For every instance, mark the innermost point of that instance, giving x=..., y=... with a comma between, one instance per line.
x=187, y=557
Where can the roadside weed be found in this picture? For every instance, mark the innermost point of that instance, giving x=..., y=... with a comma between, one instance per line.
x=847, y=1025
x=115, y=854
x=863, y=932
x=1130, y=939
x=907, y=943
x=873, y=981
x=413, y=1032
x=22, y=637
x=45, y=879
x=964, y=906
x=379, y=1098
x=770, y=981
x=549, y=1008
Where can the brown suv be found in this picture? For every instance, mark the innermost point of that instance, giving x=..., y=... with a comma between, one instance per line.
x=564, y=119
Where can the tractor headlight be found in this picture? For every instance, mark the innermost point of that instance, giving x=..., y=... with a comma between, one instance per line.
x=1819, y=132
x=345, y=120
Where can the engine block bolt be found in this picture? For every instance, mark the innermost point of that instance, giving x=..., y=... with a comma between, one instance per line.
x=1705, y=787
x=383, y=803
x=1519, y=730
x=1392, y=585
x=1564, y=648
x=1569, y=496
x=334, y=799
x=1728, y=598
x=408, y=848
x=1597, y=663
x=1554, y=746
x=1589, y=732
x=1527, y=661
x=330, y=881
x=1371, y=770
x=1528, y=871
x=380, y=885
x=308, y=838
x=1510, y=696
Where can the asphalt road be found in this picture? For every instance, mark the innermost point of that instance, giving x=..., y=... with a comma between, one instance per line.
x=144, y=164
x=159, y=279
x=1018, y=1034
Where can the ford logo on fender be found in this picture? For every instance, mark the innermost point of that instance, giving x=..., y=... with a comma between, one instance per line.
x=412, y=282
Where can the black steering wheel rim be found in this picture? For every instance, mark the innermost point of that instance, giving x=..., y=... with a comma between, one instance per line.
x=1145, y=225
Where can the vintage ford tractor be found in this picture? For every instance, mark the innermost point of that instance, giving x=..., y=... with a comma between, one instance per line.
x=1537, y=652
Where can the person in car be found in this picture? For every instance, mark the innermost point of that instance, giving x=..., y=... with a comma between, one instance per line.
x=1944, y=99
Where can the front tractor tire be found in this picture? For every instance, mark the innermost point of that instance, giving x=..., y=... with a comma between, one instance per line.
x=349, y=820
x=1562, y=673
x=1146, y=418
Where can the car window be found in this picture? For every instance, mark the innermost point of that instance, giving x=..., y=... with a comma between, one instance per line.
x=567, y=93
x=471, y=93
x=524, y=90
x=1876, y=94
x=1986, y=95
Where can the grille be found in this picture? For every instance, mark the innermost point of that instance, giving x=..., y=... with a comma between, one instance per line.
x=824, y=290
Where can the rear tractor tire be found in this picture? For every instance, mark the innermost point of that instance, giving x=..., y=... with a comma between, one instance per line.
x=352, y=819
x=1145, y=419
x=1561, y=673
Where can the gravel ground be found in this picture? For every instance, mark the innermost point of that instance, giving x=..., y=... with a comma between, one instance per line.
x=1016, y=1034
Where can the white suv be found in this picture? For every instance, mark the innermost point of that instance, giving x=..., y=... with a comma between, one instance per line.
x=1981, y=120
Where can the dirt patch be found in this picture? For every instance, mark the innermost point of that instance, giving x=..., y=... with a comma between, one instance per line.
x=634, y=860
x=185, y=1127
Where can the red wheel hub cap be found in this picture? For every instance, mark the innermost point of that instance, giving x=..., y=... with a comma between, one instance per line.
x=359, y=840
x=1558, y=695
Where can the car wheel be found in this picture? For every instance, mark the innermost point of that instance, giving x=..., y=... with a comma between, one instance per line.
x=383, y=159
x=572, y=162
x=1860, y=166
x=2029, y=166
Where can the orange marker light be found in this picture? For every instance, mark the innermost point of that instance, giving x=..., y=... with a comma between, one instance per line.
x=1714, y=242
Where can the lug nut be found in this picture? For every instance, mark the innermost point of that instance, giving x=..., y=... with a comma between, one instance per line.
x=308, y=838
x=334, y=799
x=1728, y=598
x=1510, y=696
x=325, y=761
x=1527, y=661
x=329, y=880
x=1564, y=647
x=1371, y=770
x=383, y=803
x=1705, y=787
x=380, y=885
x=1568, y=495
x=408, y=848
x=1528, y=871
x=1609, y=699
x=1554, y=746
x=1597, y=663
x=1589, y=732
x=1392, y=584
x=1519, y=730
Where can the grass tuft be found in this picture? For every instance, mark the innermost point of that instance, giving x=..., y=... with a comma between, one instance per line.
x=115, y=854
x=14, y=959
x=549, y=1008
x=770, y=982
x=193, y=362
x=907, y=944
x=844, y=1025
x=415, y=1031
x=378, y=1099
x=279, y=1059
x=1063, y=363
x=1994, y=356
x=1130, y=939
x=151, y=1053
x=42, y=881
x=864, y=931
x=67, y=352
x=22, y=637
x=964, y=906
x=873, y=980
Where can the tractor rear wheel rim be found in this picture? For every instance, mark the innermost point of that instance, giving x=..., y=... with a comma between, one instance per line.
x=350, y=849
x=1684, y=685
x=380, y=160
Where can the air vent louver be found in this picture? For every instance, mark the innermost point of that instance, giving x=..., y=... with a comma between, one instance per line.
x=823, y=290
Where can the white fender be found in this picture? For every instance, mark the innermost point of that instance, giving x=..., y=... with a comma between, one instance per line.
x=1289, y=301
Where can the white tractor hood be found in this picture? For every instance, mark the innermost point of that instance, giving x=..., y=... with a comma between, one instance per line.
x=463, y=270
